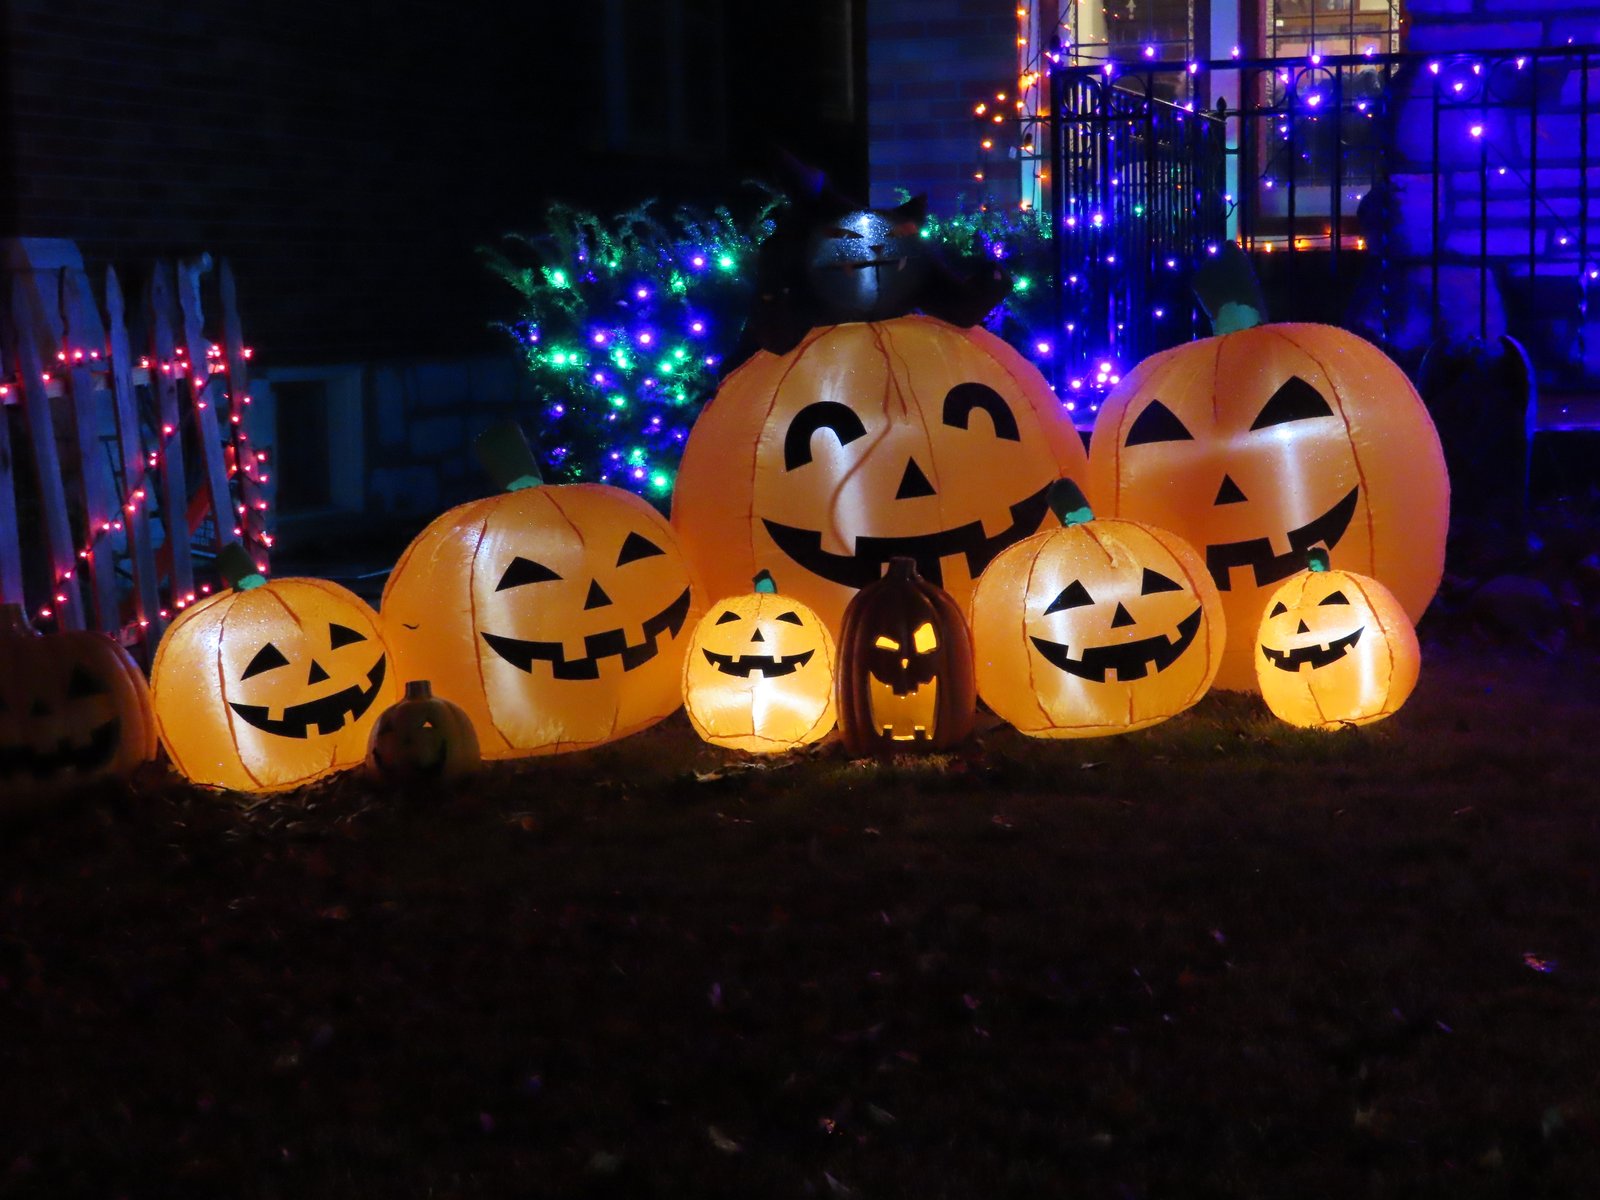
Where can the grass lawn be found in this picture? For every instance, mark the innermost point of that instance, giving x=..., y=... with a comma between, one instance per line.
x=1218, y=958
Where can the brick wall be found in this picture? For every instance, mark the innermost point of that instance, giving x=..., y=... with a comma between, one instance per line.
x=928, y=62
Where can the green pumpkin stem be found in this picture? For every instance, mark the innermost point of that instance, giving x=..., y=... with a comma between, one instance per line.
x=1229, y=291
x=238, y=568
x=765, y=583
x=419, y=689
x=506, y=456
x=1317, y=559
x=1069, y=504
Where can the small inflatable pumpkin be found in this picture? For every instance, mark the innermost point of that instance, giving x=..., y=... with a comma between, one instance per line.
x=557, y=616
x=1334, y=649
x=1098, y=627
x=759, y=673
x=1268, y=439
x=422, y=737
x=270, y=685
x=905, y=679
x=74, y=707
x=871, y=441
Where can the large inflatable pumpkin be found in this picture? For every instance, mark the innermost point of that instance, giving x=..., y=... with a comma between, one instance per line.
x=1096, y=627
x=905, y=438
x=556, y=615
x=73, y=707
x=1257, y=444
x=270, y=685
x=1334, y=649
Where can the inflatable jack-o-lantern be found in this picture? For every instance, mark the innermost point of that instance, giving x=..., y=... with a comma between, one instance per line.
x=73, y=707
x=1268, y=439
x=270, y=685
x=1098, y=627
x=759, y=673
x=1335, y=649
x=421, y=738
x=905, y=678
x=867, y=442
x=556, y=615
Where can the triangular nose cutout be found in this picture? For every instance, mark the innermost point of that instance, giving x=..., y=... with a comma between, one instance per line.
x=1302, y=628
x=913, y=483
x=1229, y=492
x=1121, y=617
x=316, y=674
x=597, y=596
x=756, y=636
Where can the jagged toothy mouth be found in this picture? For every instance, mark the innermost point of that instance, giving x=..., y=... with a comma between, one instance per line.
x=1269, y=568
x=611, y=643
x=866, y=565
x=329, y=713
x=1313, y=656
x=902, y=716
x=100, y=749
x=1129, y=660
x=746, y=665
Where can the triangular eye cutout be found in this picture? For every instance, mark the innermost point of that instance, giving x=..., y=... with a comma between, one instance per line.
x=1157, y=423
x=524, y=570
x=1074, y=595
x=1296, y=400
x=343, y=635
x=1155, y=581
x=1279, y=607
x=730, y=615
x=635, y=547
x=792, y=617
x=268, y=658
x=82, y=683
x=1334, y=598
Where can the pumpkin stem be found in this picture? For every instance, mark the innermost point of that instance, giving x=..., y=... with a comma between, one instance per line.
x=1229, y=291
x=1317, y=559
x=765, y=583
x=238, y=568
x=902, y=568
x=14, y=621
x=506, y=456
x=419, y=689
x=1069, y=504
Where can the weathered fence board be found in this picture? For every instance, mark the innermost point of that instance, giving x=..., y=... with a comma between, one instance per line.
x=174, y=473
x=204, y=396
x=135, y=470
x=11, y=590
x=82, y=329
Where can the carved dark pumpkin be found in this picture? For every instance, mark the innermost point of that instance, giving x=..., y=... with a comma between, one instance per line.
x=73, y=707
x=421, y=737
x=905, y=677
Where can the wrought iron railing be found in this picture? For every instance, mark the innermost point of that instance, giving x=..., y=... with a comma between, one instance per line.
x=1410, y=197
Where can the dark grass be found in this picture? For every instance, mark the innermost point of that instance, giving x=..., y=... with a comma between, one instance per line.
x=1218, y=958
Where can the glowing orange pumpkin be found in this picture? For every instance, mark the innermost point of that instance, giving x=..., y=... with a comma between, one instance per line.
x=1098, y=627
x=759, y=673
x=555, y=615
x=1261, y=442
x=1334, y=649
x=270, y=685
x=867, y=442
x=73, y=707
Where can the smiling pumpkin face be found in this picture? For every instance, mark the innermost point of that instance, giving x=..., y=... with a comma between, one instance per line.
x=1334, y=649
x=1259, y=444
x=271, y=685
x=1098, y=627
x=905, y=438
x=556, y=616
x=759, y=674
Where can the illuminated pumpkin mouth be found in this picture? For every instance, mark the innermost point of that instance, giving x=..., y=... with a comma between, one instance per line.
x=865, y=566
x=747, y=665
x=611, y=643
x=903, y=716
x=1130, y=660
x=421, y=770
x=329, y=714
x=1313, y=656
x=1257, y=553
x=66, y=758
